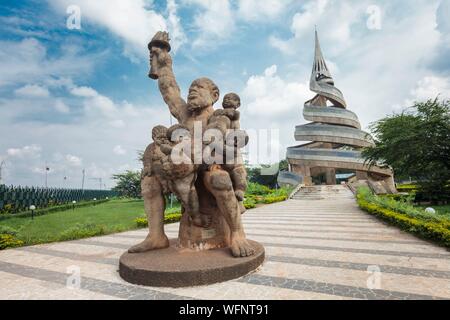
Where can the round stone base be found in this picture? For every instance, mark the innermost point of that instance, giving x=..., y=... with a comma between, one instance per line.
x=178, y=267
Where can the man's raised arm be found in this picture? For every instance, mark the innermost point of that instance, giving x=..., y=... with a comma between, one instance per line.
x=161, y=69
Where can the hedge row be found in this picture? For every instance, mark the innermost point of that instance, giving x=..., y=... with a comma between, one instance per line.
x=439, y=232
x=43, y=211
x=168, y=218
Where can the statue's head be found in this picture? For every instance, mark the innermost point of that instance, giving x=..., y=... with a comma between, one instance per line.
x=159, y=134
x=203, y=93
x=231, y=100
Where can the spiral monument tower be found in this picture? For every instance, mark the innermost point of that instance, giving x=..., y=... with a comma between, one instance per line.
x=336, y=138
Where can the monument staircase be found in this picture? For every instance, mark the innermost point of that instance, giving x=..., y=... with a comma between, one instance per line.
x=329, y=192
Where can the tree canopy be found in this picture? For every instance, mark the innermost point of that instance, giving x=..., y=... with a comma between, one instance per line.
x=416, y=143
x=128, y=184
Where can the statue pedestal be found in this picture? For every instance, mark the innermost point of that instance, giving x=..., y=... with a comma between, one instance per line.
x=181, y=267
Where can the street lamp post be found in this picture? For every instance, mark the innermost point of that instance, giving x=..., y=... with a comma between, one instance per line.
x=32, y=208
x=73, y=205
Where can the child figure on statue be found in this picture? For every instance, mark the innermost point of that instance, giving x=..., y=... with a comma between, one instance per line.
x=227, y=121
x=174, y=170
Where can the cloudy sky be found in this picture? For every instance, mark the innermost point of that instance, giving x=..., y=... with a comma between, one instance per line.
x=79, y=98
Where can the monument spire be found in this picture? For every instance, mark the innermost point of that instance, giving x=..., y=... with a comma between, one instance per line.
x=335, y=136
x=320, y=69
x=321, y=81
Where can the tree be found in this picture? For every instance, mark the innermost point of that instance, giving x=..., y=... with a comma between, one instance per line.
x=128, y=184
x=254, y=174
x=416, y=143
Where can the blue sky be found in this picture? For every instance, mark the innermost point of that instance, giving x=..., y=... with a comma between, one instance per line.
x=81, y=99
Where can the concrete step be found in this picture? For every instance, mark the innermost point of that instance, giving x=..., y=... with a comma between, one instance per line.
x=323, y=192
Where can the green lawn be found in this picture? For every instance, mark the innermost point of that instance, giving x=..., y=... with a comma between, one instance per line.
x=104, y=218
x=109, y=217
x=440, y=209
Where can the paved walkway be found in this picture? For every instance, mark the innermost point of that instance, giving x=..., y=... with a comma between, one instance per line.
x=316, y=249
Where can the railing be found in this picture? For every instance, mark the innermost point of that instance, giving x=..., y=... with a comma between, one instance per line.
x=15, y=199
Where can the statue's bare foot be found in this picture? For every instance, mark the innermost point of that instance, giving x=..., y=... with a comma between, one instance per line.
x=150, y=243
x=202, y=220
x=240, y=247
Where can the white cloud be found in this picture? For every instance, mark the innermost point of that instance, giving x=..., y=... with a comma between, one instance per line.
x=96, y=104
x=269, y=94
x=176, y=32
x=334, y=20
x=119, y=150
x=215, y=22
x=61, y=107
x=442, y=20
x=133, y=21
x=32, y=90
x=429, y=88
x=256, y=10
x=26, y=61
x=73, y=160
x=271, y=102
x=117, y=123
x=84, y=92
x=32, y=151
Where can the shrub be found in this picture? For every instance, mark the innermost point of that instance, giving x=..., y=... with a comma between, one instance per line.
x=411, y=220
x=9, y=241
x=404, y=206
x=273, y=199
x=257, y=189
x=141, y=222
x=249, y=203
x=82, y=231
x=8, y=208
x=168, y=218
x=172, y=217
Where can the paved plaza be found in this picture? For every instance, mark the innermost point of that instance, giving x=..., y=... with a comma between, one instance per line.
x=315, y=249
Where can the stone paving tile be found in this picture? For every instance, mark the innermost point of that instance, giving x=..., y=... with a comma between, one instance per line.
x=327, y=229
x=321, y=249
x=357, y=250
x=357, y=257
x=13, y=288
x=359, y=278
x=285, y=235
x=70, y=255
x=416, y=247
x=362, y=266
x=328, y=288
x=131, y=292
x=295, y=260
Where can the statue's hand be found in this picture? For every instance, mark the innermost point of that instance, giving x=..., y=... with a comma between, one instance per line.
x=161, y=57
x=159, y=60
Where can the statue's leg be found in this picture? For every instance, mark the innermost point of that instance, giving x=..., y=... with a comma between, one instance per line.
x=218, y=182
x=154, y=204
x=187, y=194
